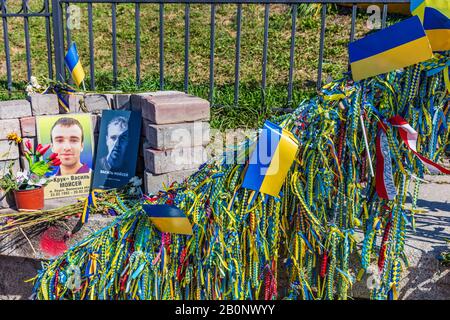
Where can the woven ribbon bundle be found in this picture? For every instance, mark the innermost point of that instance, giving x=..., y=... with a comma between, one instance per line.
x=314, y=242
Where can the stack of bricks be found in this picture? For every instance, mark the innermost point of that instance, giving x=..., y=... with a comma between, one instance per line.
x=175, y=132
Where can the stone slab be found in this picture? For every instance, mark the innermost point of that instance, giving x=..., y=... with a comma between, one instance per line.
x=177, y=135
x=163, y=161
x=96, y=103
x=43, y=104
x=14, y=109
x=8, y=150
x=174, y=109
x=8, y=126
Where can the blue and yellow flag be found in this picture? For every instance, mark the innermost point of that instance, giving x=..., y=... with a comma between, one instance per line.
x=73, y=63
x=275, y=151
x=418, y=7
x=437, y=28
x=398, y=46
x=168, y=218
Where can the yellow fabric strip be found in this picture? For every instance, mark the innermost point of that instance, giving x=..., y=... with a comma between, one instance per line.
x=439, y=39
x=281, y=162
x=78, y=73
x=408, y=54
x=173, y=225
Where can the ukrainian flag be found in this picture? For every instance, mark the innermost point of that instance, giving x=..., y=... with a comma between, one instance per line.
x=275, y=151
x=168, y=218
x=437, y=28
x=398, y=46
x=73, y=63
x=418, y=7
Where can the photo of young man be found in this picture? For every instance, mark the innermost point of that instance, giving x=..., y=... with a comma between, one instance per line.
x=67, y=140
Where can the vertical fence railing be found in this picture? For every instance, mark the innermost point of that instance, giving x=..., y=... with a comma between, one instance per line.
x=58, y=34
x=26, y=13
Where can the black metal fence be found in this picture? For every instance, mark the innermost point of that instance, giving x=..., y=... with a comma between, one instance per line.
x=58, y=36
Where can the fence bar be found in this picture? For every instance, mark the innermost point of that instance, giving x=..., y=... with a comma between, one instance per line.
x=238, y=53
x=91, y=46
x=137, y=19
x=26, y=30
x=322, y=43
x=352, y=29
x=186, y=46
x=211, y=53
x=114, y=42
x=49, y=44
x=161, y=46
x=384, y=18
x=292, y=52
x=264, y=59
x=6, y=41
x=68, y=34
x=58, y=41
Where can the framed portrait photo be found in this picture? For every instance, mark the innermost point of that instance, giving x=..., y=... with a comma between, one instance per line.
x=71, y=137
x=118, y=147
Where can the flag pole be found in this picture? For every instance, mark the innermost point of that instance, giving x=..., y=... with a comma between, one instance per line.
x=84, y=86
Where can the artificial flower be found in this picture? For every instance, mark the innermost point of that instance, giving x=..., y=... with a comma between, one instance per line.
x=42, y=149
x=14, y=137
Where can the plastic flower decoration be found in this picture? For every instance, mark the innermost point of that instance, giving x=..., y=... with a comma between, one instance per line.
x=14, y=137
x=39, y=173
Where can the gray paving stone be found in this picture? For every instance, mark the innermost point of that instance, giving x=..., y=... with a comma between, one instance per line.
x=14, y=109
x=43, y=104
x=8, y=150
x=8, y=126
x=177, y=135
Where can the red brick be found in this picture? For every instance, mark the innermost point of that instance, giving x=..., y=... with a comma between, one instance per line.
x=28, y=126
x=174, y=109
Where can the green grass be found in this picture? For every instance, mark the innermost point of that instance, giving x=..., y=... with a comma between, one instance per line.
x=249, y=112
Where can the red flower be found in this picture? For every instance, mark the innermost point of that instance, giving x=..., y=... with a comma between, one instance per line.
x=55, y=162
x=28, y=145
x=42, y=149
x=53, y=156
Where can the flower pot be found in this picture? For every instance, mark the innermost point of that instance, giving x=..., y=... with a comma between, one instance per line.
x=30, y=199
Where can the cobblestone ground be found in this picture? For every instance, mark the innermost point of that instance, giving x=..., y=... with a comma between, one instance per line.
x=425, y=278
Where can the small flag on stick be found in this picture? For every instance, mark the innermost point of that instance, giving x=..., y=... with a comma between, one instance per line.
x=398, y=46
x=271, y=160
x=73, y=63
